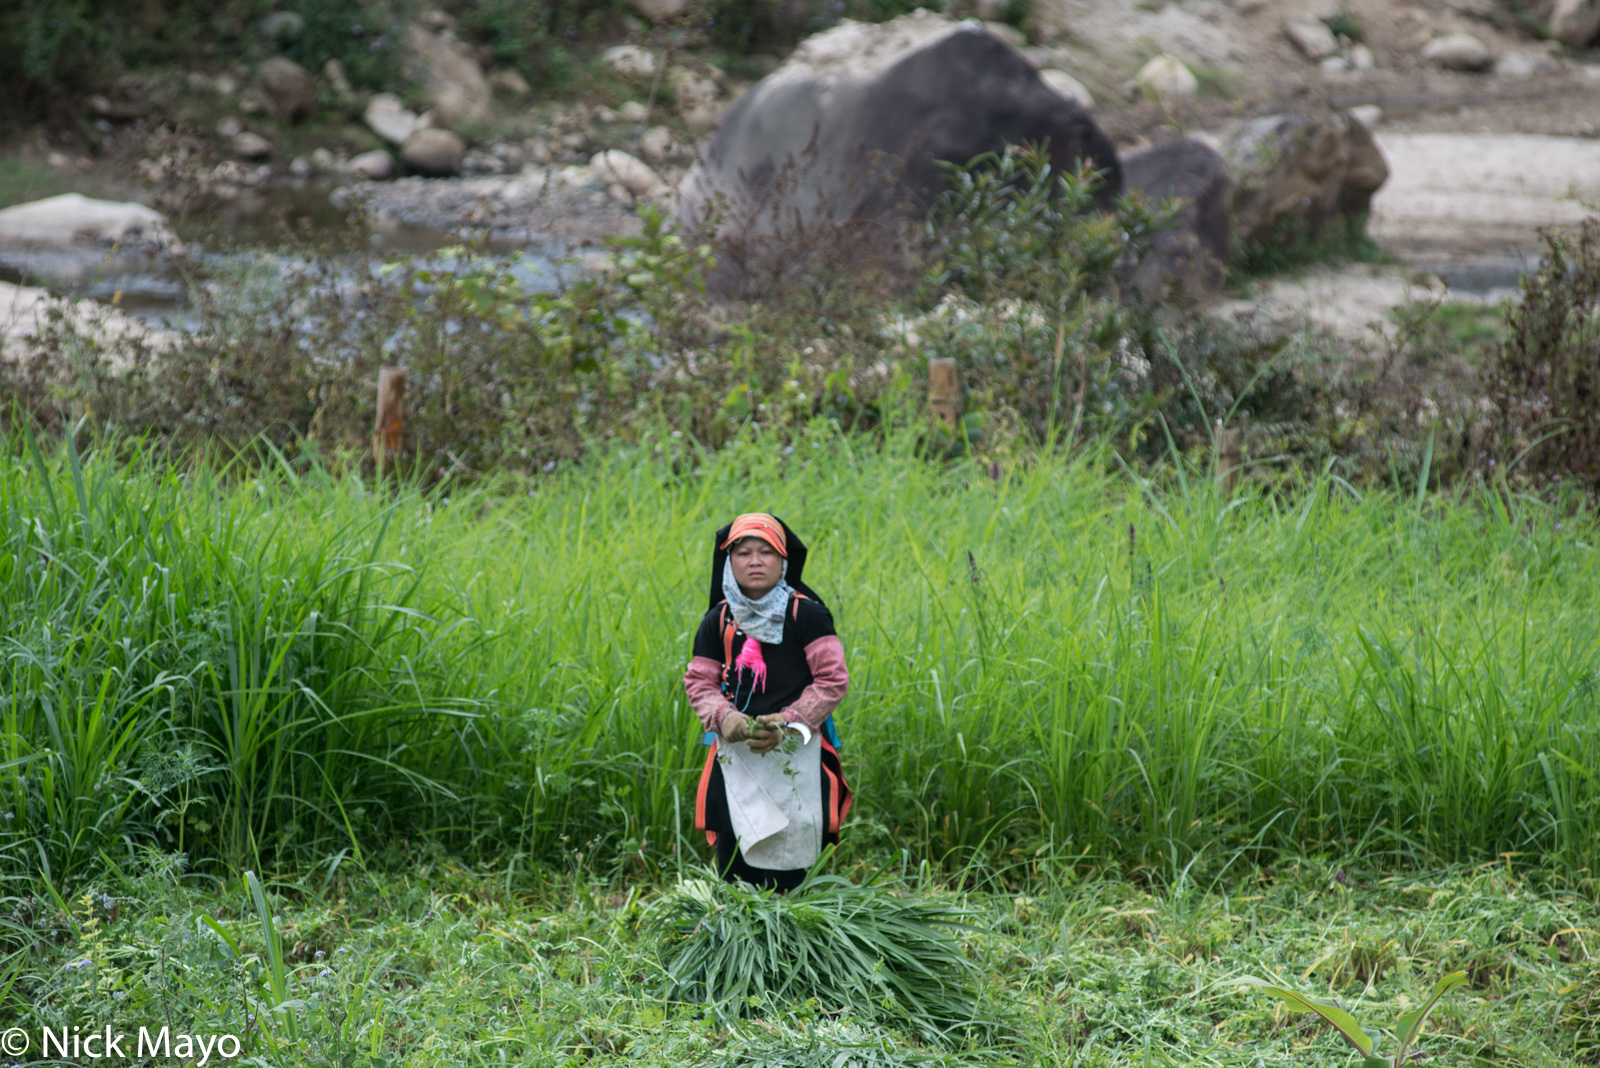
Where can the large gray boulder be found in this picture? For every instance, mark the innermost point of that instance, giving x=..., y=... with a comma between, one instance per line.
x=1194, y=255
x=850, y=132
x=1575, y=23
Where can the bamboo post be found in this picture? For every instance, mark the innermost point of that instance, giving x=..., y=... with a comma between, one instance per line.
x=391, y=414
x=1229, y=457
x=943, y=391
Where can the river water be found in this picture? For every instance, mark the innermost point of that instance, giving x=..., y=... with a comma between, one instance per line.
x=276, y=229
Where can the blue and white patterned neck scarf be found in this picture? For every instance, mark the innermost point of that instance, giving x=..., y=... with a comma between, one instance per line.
x=761, y=619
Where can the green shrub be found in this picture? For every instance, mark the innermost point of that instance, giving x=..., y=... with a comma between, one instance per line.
x=1545, y=382
x=364, y=37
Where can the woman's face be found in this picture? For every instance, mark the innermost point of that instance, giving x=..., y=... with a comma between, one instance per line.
x=757, y=567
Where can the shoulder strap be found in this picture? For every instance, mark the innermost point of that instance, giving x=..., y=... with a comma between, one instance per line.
x=794, y=604
x=728, y=626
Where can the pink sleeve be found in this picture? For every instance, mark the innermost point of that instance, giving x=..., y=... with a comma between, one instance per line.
x=829, y=681
x=703, y=683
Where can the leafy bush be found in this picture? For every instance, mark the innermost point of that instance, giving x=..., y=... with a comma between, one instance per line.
x=1544, y=385
x=861, y=949
x=1032, y=313
x=75, y=43
x=364, y=37
x=535, y=36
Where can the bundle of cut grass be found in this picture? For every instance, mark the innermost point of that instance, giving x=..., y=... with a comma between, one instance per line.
x=858, y=949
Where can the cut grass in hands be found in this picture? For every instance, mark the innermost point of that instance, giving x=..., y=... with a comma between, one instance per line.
x=878, y=955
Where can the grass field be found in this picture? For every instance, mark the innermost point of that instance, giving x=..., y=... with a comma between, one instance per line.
x=1119, y=715
x=443, y=967
x=267, y=670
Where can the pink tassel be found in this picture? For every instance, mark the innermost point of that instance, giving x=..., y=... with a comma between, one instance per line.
x=750, y=657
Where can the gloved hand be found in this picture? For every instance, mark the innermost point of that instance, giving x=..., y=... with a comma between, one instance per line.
x=735, y=727
x=766, y=733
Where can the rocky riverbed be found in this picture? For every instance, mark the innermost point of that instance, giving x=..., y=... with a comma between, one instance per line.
x=1488, y=133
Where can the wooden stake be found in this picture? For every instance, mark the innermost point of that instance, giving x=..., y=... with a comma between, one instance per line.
x=1229, y=457
x=391, y=414
x=943, y=390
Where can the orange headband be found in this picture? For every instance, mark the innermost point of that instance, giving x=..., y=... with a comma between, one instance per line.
x=758, y=525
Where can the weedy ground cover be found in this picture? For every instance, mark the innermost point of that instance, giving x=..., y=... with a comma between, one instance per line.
x=436, y=965
x=1059, y=658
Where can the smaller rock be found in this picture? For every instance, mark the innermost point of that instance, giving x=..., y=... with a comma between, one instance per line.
x=58, y=159
x=605, y=115
x=377, y=165
x=482, y=163
x=249, y=145
x=507, y=81
x=281, y=27
x=229, y=128
x=434, y=153
x=224, y=85
x=289, y=86
x=389, y=119
x=253, y=102
x=691, y=88
x=618, y=168
x=633, y=111
x=300, y=167
x=1335, y=65
x=1166, y=80
x=539, y=150
x=1068, y=86
x=702, y=116
x=575, y=177
x=1575, y=23
x=342, y=197
x=333, y=73
x=630, y=61
x=436, y=21
x=323, y=159
x=1007, y=33
x=620, y=194
x=659, y=11
x=1521, y=65
x=659, y=144
x=1361, y=58
x=1458, y=51
x=120, y=110
x=1312, y=37
x=1368, y=115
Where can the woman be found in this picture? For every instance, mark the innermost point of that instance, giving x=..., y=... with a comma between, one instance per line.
x=766, y=662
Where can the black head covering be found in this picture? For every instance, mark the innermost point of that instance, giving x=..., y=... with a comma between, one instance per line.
x=796, y=558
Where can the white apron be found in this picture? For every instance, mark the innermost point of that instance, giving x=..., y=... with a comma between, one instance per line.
x=775, y=803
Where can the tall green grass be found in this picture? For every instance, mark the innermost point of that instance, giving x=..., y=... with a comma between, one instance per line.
x=1058, y=661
